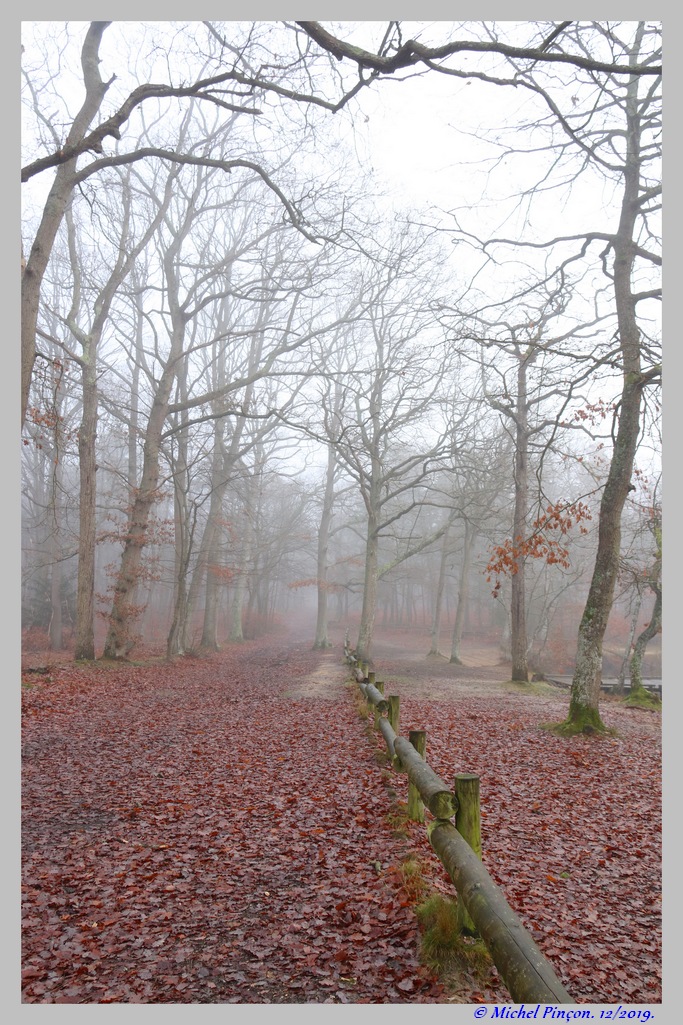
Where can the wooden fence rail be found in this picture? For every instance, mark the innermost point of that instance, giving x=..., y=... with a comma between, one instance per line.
x=437, y=796
x=526, y=972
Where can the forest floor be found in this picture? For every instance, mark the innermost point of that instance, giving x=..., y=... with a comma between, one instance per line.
x=223, y=829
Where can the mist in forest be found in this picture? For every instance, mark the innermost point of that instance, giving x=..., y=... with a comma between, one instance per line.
x=298, y=350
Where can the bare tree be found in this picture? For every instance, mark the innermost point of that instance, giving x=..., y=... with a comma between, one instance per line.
x=385, y=439
x=641, y=129
x=86, y=321
x=49, y=544
x=532, y=406
x=326, y=516
x=612, y=122
x=222, y=75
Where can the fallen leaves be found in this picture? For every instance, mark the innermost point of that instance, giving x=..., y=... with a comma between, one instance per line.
x=193, y=833
x=571, y=830
x=185, y=840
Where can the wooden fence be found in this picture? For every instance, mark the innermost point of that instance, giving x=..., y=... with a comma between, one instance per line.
x=526, y=972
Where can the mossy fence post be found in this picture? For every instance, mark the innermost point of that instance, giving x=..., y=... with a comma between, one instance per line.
x=394, y=709
x=468, y=824
x=416, y=809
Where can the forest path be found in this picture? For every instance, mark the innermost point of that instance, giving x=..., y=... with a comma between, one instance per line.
x=211, y=831
x=216, y=830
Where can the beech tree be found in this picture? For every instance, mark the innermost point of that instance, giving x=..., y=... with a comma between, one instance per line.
x=216, y=65
x=201, y=268
x=479, y=489
x=187, y=298
x=198, y=319
x=332, y=409
x=641, y=574
x=445, y=553
x=654, y=626
x=86, y=321
x=384, y=436
x=48, y=509
x=632, y=246
x=234, y=436
x=242, y=419
x=530, y=387
x=611, y=121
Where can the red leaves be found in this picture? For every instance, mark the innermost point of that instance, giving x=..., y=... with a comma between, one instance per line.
x=247, y=874
x=222, y=856
x=570, y=830
x=594, y=412
x=558, y=517
x=223, y=573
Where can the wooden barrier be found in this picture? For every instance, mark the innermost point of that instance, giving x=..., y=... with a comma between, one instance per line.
x=526, y=972
x=523, y=968
x=379, y=687
x=417, y=739
x=375, y=697
x=388, y=733
x=394, y=709
x=435, y=794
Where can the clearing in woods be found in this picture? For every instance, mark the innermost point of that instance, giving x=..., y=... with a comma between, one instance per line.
x=223, y=830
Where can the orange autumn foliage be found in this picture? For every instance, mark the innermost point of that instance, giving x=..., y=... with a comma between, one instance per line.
x=545, y=542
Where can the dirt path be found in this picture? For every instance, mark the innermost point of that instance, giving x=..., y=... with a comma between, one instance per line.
x=219, y=831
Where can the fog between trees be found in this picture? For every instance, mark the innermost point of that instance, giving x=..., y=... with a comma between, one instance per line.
x=259, y=387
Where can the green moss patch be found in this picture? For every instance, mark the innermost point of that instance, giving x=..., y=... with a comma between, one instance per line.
x=443, y=947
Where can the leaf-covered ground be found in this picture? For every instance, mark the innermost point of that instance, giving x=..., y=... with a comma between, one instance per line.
x=218, y=831
x=571, y=828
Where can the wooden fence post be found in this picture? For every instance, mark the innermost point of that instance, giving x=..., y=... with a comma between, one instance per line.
x=392, y=714
x=371, y=677
x=468, y=824
x=394, y=707
x=380, y=687
x=416, y=809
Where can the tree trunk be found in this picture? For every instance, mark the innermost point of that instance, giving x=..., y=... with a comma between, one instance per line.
x=223, y=466
x=518, y=636
x=183, y=534
x=629, y=643
x=56, y=631
x=177, y=641
x=463, y=594
x=321, y=639
x=369, y=609
x=56, y=624
x=55, y=206
x=120, y=640
x=651, y=630
x=87, y=507
x=236, y=629
x=585, y=691
x=438, y=603
x=208, y=557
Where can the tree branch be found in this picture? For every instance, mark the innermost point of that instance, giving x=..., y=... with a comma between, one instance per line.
x=412, y=53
